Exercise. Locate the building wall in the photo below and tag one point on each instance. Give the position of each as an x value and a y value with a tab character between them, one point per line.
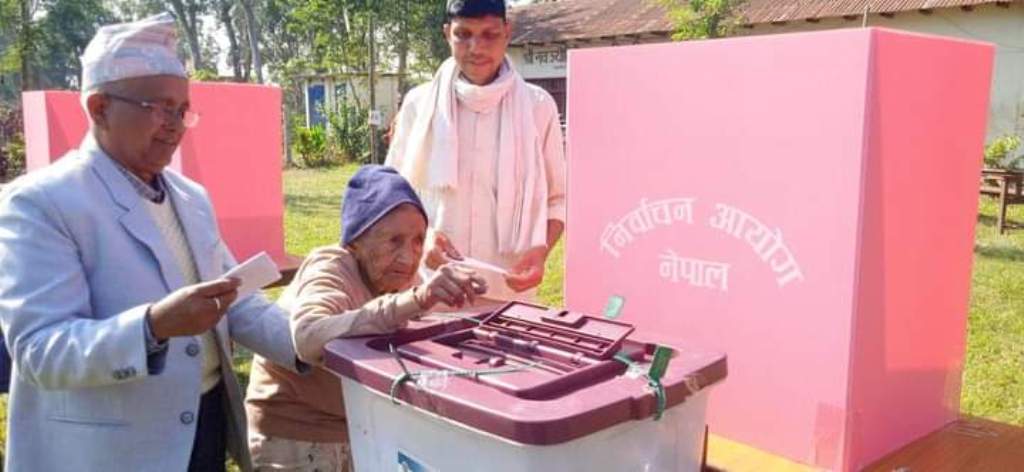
1002	26
387	94
548	61
338	88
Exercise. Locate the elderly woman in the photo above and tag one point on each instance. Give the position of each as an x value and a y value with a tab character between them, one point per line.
365	285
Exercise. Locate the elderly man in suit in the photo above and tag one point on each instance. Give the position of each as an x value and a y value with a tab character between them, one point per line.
112	296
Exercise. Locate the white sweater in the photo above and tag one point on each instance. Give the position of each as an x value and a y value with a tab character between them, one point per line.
166	219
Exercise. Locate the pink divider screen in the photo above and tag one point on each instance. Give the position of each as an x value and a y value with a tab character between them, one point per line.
804	203
235	153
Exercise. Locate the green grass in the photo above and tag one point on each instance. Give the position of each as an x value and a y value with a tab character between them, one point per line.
994	370
313	207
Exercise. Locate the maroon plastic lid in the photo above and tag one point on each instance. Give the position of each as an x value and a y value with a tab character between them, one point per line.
526	373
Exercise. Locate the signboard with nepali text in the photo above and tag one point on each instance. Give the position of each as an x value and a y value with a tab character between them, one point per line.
804	203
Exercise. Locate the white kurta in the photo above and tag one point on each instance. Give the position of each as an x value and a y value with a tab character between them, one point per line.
472	209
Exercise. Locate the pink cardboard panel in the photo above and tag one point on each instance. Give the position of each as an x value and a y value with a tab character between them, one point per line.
235	153
718	187
54	124
926	127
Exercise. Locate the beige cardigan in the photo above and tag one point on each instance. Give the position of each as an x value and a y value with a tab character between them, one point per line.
327	299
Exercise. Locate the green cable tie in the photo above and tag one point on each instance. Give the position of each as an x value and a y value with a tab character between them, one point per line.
662	355
660	397
401	379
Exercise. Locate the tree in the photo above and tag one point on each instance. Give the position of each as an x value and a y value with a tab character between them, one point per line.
189	14
413	30
234	52
254	47
427	31
64	32
10	64
293	39
26	42
43	41
19	35
702	19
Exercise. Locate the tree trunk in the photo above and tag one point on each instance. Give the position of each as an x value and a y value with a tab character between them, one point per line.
373	89
224	10
403	49
25	51
254	48
187	16
346	27
245	56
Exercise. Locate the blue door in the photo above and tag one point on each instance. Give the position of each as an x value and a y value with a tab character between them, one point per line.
315	105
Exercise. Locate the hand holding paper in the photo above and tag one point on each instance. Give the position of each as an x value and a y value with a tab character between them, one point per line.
481	265
529	271
255	273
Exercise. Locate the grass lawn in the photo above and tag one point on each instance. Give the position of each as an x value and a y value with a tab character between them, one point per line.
994	372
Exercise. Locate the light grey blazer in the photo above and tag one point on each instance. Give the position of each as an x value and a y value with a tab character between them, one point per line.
80	260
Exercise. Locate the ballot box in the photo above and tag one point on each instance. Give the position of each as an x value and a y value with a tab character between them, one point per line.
804	203
234	152
523	388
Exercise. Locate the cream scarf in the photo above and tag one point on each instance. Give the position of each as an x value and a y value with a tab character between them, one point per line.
431	155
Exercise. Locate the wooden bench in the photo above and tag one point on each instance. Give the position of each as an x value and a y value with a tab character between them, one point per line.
1006	185
967	444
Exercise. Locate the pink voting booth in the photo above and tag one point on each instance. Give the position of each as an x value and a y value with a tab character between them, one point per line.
804	203
235	153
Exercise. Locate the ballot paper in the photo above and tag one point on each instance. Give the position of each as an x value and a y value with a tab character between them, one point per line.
478	264
255	273
492	274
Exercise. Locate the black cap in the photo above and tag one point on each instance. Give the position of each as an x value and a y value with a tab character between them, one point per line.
475	8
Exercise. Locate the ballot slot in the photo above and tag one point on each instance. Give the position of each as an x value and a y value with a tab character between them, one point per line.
548	352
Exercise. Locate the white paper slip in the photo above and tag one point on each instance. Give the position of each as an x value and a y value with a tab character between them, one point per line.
478	264
255	273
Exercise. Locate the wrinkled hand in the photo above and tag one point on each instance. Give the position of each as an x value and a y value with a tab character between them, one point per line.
529	271
452	285
192	310
440	251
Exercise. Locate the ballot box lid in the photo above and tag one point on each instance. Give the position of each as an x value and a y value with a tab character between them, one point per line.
530	374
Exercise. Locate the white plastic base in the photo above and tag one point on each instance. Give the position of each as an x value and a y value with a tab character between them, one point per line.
389	437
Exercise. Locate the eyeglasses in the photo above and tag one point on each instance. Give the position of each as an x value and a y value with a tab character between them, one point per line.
161	113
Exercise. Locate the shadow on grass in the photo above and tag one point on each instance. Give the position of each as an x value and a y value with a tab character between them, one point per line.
987	220
991	222
1006	253
310	205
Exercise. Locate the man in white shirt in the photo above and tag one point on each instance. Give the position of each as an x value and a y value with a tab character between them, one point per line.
484	150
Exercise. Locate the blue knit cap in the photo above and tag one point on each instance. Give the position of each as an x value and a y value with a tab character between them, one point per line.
372	193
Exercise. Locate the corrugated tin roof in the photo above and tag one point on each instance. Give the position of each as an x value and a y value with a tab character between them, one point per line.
563	20
576	19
